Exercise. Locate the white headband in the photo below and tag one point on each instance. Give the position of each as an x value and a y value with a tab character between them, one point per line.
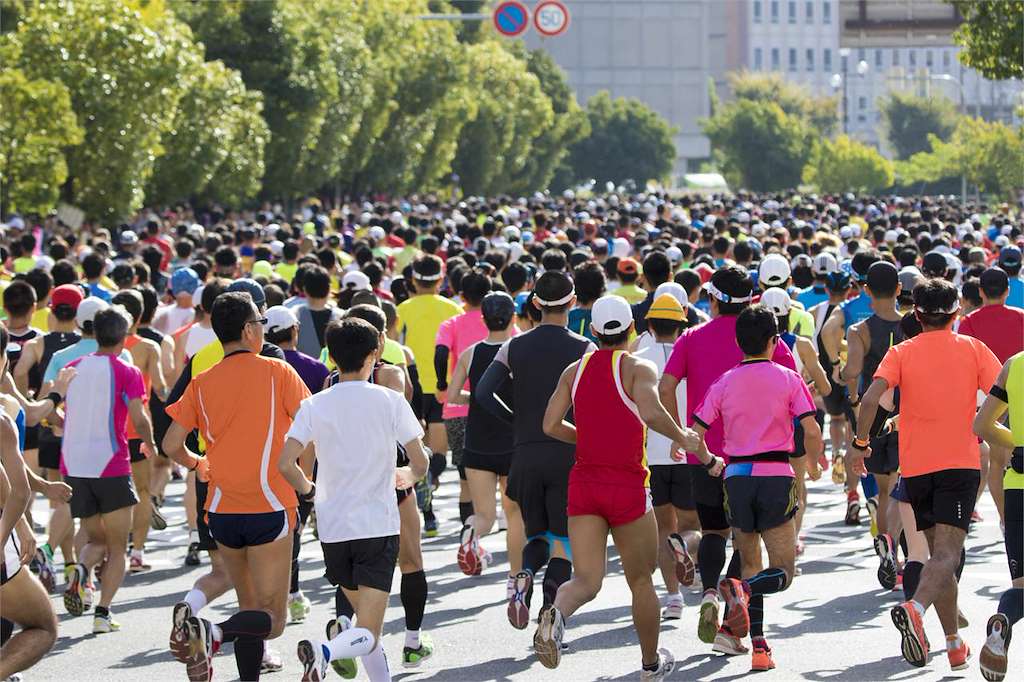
427	278
948	311
724	297
562	301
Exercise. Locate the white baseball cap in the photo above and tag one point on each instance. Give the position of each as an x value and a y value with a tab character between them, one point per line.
280	318
197	296
776	300
88	308
356	280
611	315
774	270
824	263
673	289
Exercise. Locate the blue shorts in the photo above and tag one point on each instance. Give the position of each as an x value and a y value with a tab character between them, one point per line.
248	530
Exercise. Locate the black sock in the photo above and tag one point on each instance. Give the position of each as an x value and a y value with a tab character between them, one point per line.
735	567
296	546
249	657
756	610
903	544
246	624
535	556
342	606
6	630
710	560
103	611
768	581
1011	604
911	578
960	566
558	571
414	598
465	511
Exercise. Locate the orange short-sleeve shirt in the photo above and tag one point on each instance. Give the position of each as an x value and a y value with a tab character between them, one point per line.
939	374
243	406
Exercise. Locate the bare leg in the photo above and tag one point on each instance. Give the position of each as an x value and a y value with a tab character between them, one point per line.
515	534
23	601
665	515
999	457
116	525
938	578
638	550
190	500
261	575
142	511
216	582
588	536
481	490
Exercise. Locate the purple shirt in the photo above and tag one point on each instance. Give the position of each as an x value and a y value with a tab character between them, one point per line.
313	372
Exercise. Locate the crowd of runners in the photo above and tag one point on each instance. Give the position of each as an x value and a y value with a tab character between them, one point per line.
663	370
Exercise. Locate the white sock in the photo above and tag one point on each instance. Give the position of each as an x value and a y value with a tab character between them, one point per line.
412	639
677	597
193	536
351	643
137	554
196	600
953	642
295	595
376	665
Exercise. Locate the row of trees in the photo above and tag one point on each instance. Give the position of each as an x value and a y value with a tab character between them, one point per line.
111	104
773	135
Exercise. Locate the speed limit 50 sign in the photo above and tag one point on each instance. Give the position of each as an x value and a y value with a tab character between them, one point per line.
550	18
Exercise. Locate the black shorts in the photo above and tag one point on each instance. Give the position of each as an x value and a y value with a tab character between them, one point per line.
49	449
249	530
91	496
759	503
1013	510
455	429
672	484
367	562
161	422
206	541
400	495
496	464
838	401
539	482
945	497
431	409
32	437
885	454
708	498
135	452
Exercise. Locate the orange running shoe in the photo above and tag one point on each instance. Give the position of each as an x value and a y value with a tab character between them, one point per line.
908	621
761	658
959	656
736	596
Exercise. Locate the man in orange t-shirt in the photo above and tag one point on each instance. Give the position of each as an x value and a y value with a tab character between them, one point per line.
938	374
242	406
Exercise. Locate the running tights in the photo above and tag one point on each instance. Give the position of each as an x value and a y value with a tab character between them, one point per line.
768	581
735	569
248	630
414	599
710	560
558	571
535	556
1011	603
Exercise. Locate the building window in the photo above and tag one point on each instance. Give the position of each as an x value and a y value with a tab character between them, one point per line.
878	59
945	59
792	59
775	11
826	12
862	103
928	60
911	58
757	11
895	57
775	59
758	59
809	59
844	65
792	11
826	59
809	13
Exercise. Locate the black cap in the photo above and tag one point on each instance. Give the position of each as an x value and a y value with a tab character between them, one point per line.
498	305
1010	255
883	277
934	264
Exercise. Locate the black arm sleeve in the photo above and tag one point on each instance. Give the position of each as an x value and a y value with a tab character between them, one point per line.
417	391
441	366
180	385
494	379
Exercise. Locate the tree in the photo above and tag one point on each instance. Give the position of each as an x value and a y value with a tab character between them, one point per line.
122	78
793	99
909	120
628	141
991	37
36	125
845	165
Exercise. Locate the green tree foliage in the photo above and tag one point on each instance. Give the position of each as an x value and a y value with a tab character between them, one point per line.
845	165
123	79
763	138
36	124
909	120
992	37
989	154
628	141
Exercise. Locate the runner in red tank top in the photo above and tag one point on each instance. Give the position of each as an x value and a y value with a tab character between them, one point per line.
614	398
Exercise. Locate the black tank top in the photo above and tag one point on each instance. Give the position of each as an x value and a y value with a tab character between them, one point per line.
822	355
14	346
883	334
52	342
537	360
485	433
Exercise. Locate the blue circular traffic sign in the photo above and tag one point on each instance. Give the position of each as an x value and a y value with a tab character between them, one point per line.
511	18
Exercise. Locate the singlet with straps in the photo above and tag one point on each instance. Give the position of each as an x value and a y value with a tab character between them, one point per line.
823	312
790	339
485	433
883	334
52	342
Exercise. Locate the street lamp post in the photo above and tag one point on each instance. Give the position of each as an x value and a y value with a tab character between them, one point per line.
842	79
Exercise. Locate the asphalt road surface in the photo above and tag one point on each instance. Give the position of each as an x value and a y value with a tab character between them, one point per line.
832	624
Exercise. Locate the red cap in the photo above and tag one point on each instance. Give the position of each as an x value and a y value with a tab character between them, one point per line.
66	294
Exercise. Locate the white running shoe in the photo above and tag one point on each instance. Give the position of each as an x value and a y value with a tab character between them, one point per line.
666	664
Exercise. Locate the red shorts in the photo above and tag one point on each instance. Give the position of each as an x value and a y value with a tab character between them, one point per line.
616	504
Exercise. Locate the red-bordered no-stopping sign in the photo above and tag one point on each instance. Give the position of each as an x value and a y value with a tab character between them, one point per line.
511	18
550	18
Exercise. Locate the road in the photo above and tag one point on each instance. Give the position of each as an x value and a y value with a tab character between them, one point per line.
832	624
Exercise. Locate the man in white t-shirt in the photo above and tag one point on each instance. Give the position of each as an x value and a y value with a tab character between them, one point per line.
353	428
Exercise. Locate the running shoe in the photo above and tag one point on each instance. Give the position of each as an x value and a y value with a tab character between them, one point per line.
761	658
411	658
74	594
136	564
484	559
736	597
510	587
47	574
192	555
852	508
707	625
518	609
728	643
90	594
976	516
468	557
898	587
272	662
993	655
314	663
157	521
345	667
888	571
908	621
673	609
104	624
201	648
430	528
178	641
685	568
547	641
838	470
666	664
959	657
299	607
871	506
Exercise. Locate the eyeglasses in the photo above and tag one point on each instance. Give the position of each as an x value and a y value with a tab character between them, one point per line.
261	320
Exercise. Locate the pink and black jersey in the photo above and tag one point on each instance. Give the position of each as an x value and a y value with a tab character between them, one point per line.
95	441
610	437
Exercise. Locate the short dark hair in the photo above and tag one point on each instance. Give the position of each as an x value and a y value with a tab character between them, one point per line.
590	282
475	285
755	327
350	341
131	301
369	313
231	311
662	327
689	280
317	282
63	272
211	290
612	339
553	285
971	291
657	268
41	281
515	276
110	327
19	297
150	302
932	295
225	257
553	259
92	266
